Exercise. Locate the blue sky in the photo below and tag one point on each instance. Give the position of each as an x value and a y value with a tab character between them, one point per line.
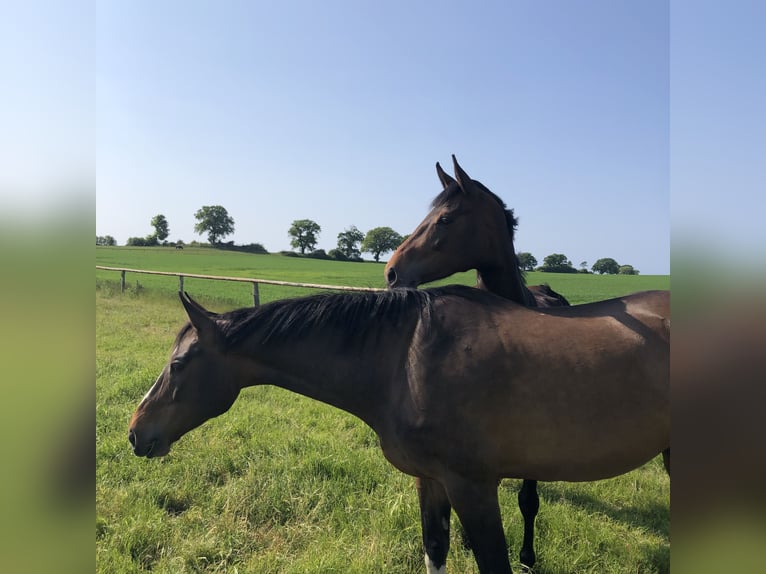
336	111
718	133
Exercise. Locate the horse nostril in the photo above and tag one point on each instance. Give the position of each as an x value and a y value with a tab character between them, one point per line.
132	438
391	276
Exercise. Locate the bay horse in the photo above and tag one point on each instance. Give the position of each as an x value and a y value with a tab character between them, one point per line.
468	227
461	386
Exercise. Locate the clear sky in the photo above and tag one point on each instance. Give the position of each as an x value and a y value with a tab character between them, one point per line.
337	111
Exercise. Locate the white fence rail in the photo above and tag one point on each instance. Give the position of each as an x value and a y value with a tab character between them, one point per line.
253	281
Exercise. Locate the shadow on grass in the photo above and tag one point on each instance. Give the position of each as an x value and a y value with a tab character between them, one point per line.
653	517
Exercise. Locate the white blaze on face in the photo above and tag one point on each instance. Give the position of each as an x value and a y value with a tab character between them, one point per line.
432	569
149	392
157	382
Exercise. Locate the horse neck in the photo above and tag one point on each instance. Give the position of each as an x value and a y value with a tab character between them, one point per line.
358	381
505	279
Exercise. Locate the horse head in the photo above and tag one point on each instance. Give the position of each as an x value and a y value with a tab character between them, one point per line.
191	388
459	233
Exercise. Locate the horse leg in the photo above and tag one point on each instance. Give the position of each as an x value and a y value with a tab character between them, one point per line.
529	504
477	507
666	459
434	519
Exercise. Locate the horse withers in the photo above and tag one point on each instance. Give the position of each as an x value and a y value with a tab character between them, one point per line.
461	386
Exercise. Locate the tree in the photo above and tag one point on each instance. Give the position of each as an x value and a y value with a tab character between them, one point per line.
380	240
557	263
161	229
527	261
606	265
304	234
348	242
106	240
215	220
627	270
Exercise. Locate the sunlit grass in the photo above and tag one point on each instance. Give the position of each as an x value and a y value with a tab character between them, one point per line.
577	288
281	483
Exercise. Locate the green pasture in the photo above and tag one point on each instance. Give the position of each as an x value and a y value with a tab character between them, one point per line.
577	288
281	483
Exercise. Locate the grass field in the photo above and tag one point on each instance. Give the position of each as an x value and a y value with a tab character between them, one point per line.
281	483
578	288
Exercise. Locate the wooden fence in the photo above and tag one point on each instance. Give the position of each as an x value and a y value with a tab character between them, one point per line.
253	281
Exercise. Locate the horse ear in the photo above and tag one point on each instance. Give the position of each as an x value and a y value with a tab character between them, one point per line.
443	177
201	319
465	182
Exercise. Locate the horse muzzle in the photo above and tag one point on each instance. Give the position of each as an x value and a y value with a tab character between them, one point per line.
395	281
150	448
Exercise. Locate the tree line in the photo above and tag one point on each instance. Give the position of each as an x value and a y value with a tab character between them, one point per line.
216	222
560	263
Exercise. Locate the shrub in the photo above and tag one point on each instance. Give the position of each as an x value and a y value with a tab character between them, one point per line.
337	254
627	270
256	248
318	254
136	241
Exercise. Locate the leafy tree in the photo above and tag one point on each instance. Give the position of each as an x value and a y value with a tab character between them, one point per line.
380	240
606	265
215	220
527	261
628	270
304	234
106	240
161	229
348	242
557	263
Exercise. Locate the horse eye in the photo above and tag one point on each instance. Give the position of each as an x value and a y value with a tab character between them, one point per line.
444	220
176	367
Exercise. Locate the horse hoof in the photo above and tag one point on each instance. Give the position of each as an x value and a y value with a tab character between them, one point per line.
528	560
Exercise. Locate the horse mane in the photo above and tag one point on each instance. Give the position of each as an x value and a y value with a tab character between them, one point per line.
357	316
453	190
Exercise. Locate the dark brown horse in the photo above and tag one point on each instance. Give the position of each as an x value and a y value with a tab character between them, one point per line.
468	227
462	387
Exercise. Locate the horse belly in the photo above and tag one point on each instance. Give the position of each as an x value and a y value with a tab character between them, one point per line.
588	447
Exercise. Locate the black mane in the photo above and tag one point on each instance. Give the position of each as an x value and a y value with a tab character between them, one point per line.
357	315
453	190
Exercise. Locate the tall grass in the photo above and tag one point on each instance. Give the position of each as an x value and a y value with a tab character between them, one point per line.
281	483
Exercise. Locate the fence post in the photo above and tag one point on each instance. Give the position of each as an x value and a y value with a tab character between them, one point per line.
256	295
122	281
181	283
